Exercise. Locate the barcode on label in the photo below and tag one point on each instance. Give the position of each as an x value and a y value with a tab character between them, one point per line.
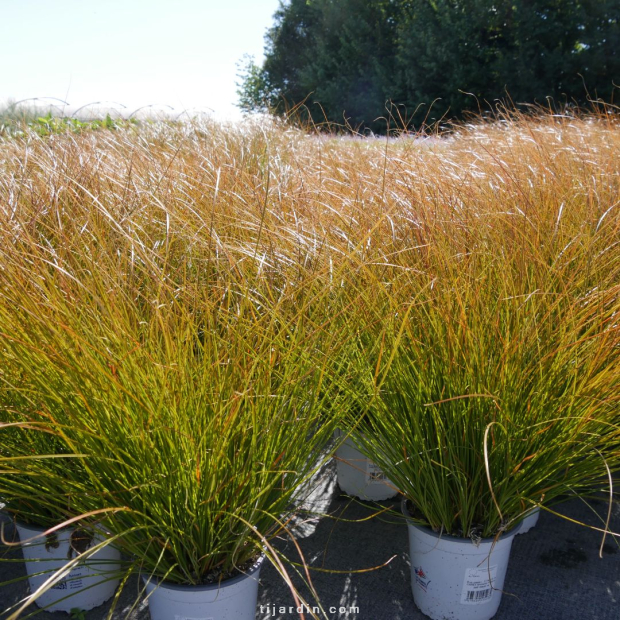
60	586
478	585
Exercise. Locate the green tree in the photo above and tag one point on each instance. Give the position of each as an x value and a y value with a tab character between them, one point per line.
447	52
599	47
346	60
543	56
337	57
353	72
252	90
289	46
473	52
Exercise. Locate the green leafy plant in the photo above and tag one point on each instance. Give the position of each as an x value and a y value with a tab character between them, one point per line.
18	122
77	614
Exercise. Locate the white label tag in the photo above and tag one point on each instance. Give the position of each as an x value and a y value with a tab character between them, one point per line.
374	474
478	585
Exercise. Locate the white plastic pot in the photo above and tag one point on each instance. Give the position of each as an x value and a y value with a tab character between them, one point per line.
233	599
359	476
455	577
529	521
88	585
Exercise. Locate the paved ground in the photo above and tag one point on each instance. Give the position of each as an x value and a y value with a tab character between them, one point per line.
554	573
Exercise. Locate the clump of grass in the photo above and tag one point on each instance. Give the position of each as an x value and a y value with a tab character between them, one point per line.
488	400
493	379
198	430
191	391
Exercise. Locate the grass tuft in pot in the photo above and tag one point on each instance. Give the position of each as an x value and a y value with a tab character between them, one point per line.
194	431
491	390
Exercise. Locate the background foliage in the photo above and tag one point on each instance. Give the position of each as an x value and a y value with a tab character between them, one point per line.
353	61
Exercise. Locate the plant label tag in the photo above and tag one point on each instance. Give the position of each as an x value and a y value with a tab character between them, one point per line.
374	474
73	581
478	585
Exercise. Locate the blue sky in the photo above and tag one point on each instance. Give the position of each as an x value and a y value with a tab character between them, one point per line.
181	53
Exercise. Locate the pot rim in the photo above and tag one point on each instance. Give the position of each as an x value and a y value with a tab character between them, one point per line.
100	529
457	539
40	528
155	582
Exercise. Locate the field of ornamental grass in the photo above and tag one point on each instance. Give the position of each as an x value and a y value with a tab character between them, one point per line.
189	310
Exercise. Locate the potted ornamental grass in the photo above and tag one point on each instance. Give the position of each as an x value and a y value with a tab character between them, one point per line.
69	563
195	423
187	379
358	475
488	403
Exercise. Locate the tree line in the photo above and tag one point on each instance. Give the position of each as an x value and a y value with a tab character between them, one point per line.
358	62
